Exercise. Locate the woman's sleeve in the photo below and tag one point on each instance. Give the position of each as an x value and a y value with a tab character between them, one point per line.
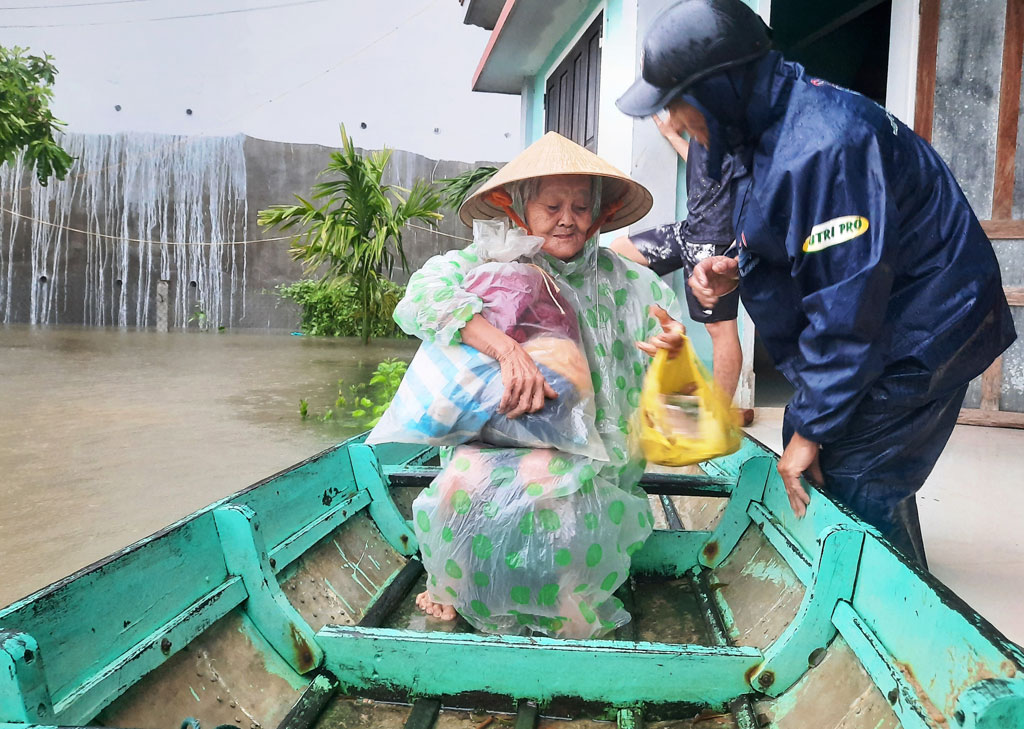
655	291
435	306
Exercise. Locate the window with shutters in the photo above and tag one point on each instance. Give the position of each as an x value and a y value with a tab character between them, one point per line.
571	96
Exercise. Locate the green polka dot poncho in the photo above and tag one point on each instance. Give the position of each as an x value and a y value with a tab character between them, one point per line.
523	540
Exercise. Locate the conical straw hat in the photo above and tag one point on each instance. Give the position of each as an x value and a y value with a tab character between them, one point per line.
553	154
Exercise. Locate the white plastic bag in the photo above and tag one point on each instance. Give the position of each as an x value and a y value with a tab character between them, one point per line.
495	241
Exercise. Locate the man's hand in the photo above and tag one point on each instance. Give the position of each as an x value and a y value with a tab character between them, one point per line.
674	134
665	127
800	458
713	278
671	337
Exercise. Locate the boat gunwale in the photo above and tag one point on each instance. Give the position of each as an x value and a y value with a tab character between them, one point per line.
751	449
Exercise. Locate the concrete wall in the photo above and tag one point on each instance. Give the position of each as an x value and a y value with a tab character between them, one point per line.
53	275
289	72
158	96
967	80
277	170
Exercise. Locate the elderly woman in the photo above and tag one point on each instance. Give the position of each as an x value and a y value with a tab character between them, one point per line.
519	540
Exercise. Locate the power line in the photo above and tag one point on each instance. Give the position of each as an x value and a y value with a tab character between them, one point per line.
73	5
142	241
344	60
123	239
166	17
438	232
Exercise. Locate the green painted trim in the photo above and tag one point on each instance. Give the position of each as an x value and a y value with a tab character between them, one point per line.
609	672
535	113
923	672
926	630
876	661
750	487
297	544
811	630
796	538
24	695
108	681
246	556
151	599
791	552
299	495
669	553
369	477
992	704
535	108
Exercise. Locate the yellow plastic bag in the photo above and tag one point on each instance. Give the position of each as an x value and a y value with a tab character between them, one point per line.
683	417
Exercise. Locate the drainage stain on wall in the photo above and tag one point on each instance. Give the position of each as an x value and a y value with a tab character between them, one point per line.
135	209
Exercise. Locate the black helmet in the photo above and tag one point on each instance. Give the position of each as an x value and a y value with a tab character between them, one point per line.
688	41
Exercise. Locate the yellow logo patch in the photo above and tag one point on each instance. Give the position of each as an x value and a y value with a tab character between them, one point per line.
835	231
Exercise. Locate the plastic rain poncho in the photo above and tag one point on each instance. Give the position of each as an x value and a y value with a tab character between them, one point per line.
451	393
523	540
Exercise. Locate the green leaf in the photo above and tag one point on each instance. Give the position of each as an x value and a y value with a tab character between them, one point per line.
27	126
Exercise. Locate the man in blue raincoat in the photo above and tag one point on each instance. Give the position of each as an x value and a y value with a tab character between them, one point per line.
860	260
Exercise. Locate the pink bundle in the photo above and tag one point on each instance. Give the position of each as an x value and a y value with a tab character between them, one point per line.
521	300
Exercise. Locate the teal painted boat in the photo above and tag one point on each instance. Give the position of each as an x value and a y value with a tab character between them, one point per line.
290	604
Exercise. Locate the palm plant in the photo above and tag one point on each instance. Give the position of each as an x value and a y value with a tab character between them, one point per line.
351	228
455	190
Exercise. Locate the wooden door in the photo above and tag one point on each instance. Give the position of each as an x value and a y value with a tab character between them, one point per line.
572	91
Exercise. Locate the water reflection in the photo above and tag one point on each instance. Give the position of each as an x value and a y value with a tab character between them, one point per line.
108	435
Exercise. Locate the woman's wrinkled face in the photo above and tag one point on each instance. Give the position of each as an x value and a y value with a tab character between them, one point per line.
561	212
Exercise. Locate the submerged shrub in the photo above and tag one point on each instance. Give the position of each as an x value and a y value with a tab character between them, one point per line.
334	309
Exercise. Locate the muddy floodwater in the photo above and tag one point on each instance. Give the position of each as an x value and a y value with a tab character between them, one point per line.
106	435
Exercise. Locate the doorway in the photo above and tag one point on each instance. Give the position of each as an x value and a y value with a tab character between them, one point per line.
845	42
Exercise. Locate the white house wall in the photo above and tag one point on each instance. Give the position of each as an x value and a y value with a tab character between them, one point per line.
618	69
291	73
901	83
654	162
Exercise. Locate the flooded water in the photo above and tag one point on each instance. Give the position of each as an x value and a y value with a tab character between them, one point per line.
107	435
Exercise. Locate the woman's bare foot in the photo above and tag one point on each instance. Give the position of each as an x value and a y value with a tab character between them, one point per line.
434	609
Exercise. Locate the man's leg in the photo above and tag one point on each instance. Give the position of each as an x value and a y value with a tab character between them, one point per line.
727	358
625	248
882	461
660	249
726	354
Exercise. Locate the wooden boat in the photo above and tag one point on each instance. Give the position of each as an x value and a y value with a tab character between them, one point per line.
289	605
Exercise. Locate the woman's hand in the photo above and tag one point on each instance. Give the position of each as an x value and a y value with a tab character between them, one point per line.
714	277
671	337
525	386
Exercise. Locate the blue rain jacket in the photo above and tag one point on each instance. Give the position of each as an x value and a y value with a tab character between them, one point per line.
867	274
